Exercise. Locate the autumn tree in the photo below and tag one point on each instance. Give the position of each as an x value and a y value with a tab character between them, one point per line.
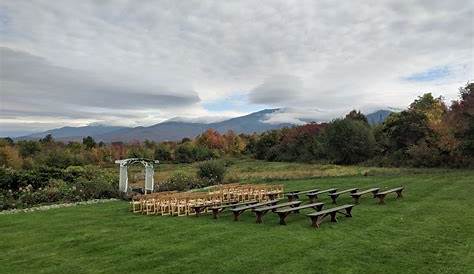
211	139
233	144
10	157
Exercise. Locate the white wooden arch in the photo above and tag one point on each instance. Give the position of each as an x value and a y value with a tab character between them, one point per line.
149	172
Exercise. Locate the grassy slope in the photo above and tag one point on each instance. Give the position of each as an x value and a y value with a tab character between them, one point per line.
429	231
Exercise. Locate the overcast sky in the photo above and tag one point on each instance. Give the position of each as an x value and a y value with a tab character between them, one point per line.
141	62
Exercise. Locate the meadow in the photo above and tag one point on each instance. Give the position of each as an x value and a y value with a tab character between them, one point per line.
428	231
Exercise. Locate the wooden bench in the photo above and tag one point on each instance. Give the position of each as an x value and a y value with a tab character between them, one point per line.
295	195
198	208
381	195
334	195
218	209
313	196
283	213
239	210
261	211
317	217
357	195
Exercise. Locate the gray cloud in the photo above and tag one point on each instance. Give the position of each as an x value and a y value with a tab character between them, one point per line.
143	61
25	77
277	89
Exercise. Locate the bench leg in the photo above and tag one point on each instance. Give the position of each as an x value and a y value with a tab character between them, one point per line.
314	222
197	210
356	199
260	215
334	198
348	212
236	215
290	198
399	194
333	217
374	193
318	220
283	216
381	199
215	213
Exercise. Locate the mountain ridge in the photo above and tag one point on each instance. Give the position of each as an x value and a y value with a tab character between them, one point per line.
171	130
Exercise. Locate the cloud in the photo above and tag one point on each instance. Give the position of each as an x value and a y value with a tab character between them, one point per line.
28	77
277	90
301	116
141	62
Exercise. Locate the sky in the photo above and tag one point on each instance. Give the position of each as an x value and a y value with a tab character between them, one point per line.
137	63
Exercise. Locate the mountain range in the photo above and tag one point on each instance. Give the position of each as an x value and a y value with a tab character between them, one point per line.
172	130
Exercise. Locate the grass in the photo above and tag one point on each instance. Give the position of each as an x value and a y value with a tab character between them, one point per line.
428	231
254	170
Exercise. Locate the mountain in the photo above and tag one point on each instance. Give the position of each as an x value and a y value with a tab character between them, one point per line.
249	123
173	130
73	133
378	117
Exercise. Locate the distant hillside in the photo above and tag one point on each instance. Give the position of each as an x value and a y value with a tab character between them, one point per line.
172	130
378	117
73	132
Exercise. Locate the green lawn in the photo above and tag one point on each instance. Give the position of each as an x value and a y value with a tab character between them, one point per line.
431	230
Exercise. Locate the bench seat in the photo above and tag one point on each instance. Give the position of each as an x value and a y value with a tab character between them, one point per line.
334	195
239	210
313	196
358	194
217	209
295	195
317	217
381	195
283	213
261	211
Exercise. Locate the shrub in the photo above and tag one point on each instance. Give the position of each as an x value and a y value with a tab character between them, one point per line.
179	181
184	153
423	155
211	172
163	153
25	188
349	141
